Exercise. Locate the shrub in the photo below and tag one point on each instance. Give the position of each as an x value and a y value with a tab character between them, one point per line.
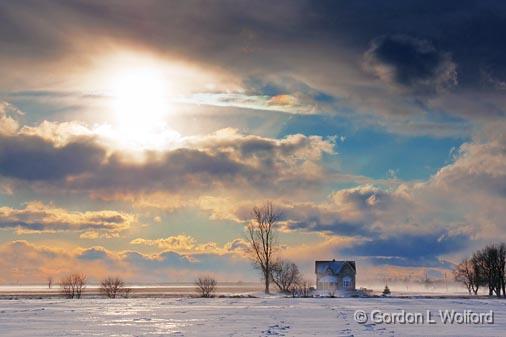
73	285
205	286
112	287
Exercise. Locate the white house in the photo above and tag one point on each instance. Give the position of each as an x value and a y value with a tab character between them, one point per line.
335	276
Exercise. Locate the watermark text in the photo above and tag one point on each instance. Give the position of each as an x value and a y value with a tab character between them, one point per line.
443	316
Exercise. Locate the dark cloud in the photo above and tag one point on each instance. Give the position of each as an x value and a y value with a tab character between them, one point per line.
409	248
423	261
163	260
305	51
39	217
410	63
349	212
323	221
33	158
230	160
311	51
92	254
359	211
311	217
211	263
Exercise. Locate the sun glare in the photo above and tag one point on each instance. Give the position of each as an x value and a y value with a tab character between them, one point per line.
141	92
139	100
140	97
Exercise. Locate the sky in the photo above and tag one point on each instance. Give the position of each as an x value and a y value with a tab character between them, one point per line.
136	137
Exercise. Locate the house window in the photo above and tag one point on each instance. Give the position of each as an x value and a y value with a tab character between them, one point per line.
347	282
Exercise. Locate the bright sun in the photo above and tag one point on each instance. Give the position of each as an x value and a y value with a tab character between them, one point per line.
139	101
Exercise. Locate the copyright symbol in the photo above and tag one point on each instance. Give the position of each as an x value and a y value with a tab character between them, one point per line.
360	316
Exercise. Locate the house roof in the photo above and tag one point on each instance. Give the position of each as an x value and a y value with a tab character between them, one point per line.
334	266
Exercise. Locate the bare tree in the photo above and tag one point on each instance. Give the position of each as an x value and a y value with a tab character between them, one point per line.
468	272
79	284
501	268
490	261
73	285
486	267
286	276
205	286
66	286
49	282
113	287
261	237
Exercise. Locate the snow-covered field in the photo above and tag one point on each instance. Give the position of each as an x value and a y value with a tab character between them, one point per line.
237	317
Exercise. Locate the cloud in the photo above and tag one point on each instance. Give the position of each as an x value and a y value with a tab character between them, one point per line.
410	63
185	244
480	167
38	217
463	196
407	262
284	103
356	211
94	253
286	57
409	223
90	235
33	158
302	63
26	262
410	247
187	267
155	262
456	210
320	218
225	159
8	125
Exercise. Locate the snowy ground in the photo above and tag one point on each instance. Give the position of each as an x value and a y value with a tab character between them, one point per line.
236	317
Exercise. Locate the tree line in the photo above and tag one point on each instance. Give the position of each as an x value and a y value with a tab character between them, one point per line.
485	268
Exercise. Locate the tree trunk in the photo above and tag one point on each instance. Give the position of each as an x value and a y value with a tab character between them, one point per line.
267	283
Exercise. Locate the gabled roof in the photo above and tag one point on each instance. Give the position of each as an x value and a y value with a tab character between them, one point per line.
334	266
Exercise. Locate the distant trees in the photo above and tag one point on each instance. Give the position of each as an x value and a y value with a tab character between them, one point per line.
113	287
490	261
261	236
286	276
486	267
205	286
73	285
